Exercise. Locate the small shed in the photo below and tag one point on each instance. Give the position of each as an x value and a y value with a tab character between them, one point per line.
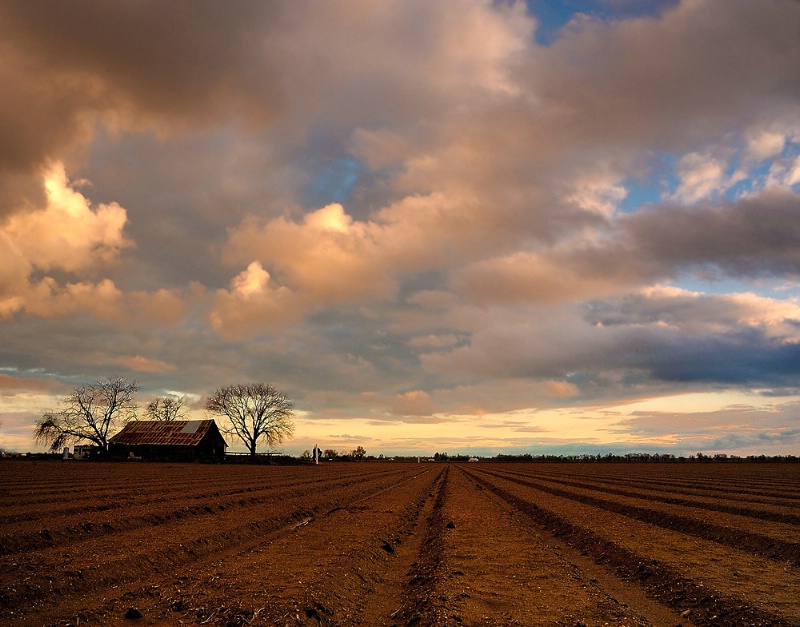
174	440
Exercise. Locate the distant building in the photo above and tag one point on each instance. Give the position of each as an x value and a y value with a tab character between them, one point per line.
85	451
175	440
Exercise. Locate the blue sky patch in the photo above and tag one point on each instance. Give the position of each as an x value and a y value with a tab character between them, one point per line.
554	15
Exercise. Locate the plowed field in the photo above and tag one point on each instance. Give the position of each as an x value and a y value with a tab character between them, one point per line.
92	543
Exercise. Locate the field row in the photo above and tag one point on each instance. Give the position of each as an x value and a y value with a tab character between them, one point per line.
731	571
399	544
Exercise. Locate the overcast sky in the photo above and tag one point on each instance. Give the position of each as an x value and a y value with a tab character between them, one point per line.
462	225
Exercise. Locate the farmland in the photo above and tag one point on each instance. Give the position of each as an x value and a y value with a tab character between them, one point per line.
400	544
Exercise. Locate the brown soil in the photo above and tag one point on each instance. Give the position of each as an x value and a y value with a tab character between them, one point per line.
91	543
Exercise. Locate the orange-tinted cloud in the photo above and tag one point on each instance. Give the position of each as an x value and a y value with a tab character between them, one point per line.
138	363
68	233
413	403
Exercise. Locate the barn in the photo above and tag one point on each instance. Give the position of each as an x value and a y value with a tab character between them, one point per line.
174	440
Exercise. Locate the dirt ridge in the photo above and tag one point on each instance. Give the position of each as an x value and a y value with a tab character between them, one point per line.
383	544
773	548
660	581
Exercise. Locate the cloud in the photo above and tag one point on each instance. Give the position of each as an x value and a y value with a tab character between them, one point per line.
48	299
679	308
40	118
688	65
751	237
766	144
657	337
743	428
537	278
139	363
24	385
330	258
67	234
413	403
598	194
14	273
24	396
177	65
252	304
405	212
562	389
701	177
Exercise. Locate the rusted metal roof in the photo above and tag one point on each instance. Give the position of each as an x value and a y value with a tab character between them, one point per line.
167	433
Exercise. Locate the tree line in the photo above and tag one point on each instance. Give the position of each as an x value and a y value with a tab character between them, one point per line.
94	412
357	454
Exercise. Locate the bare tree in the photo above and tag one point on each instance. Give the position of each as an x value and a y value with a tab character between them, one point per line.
166	408
359	453
256	411
92	412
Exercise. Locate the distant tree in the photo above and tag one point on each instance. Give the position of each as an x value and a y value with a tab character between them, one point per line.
306	456
255	411
92	412
166	408
359	453
330	454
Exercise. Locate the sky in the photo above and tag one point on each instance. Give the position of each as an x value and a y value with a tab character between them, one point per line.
463	226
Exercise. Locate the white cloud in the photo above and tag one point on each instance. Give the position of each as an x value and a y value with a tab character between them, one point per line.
68	234
766	144
251	282
702	177
784	173
326	258
253	305
794	175
330	218
598	194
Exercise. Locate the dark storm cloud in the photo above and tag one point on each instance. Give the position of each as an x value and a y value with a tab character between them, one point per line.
752	237
686	337
182	58
40	112
658	338
671	83
135	64
746	357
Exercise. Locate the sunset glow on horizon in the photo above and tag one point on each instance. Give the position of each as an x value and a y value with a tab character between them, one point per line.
469	226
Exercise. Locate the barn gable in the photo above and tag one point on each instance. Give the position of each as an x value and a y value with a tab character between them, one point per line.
175	440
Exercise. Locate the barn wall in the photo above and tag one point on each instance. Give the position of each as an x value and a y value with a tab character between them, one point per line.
158	452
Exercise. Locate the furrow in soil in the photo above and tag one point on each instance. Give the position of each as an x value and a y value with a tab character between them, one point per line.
692	577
